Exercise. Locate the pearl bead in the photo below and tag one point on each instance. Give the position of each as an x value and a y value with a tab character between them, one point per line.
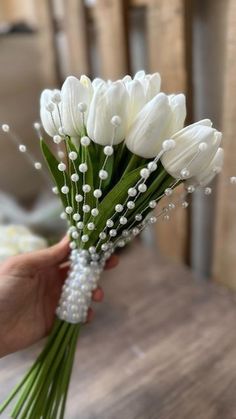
61	131
152	166
82	107
91	226
103	174
109	223
168	145
135	231
76	217
37	125
85	238
56	97
130	204
50	107
63	216
94	212
62	167
123	220
113	232
5	128
104	247
232	180
55	190
208	191
202	146
75	235
152	204
108	150
171	206
97	193
144	173
83	167
185	204
190	189
74	177
85	141
57	139
102	235
116	120
64	189
73	155
168	191
69	210
132	192
153	220
125	233
78	198
138	217
142	187
22	148
72	245
37	165
119	208
92	249
184	173
86	188
166	217
80	225
121	243
86	208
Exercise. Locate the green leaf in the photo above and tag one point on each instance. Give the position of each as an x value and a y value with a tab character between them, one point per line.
53	167
107	207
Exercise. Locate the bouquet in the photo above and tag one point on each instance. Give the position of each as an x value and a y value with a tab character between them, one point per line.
119	147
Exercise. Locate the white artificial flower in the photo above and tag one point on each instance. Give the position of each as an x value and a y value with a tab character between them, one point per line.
17	239
196	146
205	177
158	120
108	101
49	111
75	93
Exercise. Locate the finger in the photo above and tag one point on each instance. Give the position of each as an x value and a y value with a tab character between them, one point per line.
112	262
98	295
90	316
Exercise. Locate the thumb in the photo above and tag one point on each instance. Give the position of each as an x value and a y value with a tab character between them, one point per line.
54	255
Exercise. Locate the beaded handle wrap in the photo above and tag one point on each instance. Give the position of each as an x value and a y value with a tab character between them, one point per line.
77	291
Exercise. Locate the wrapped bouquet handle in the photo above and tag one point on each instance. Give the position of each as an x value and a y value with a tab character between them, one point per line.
118	148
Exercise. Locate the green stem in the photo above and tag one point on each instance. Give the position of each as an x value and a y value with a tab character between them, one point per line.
50	363
38	360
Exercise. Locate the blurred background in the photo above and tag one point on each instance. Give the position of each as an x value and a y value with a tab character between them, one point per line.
192	43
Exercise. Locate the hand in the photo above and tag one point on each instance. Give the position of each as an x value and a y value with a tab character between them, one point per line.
30	287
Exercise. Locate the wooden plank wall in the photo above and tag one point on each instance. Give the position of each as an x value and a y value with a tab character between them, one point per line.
166	44
225	236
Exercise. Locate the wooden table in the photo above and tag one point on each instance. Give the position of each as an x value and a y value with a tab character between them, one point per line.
162	346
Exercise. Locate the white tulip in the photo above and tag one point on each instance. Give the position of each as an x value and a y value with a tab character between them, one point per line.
108	101
205	177
158	120
75	93
49	111
136	101
196	145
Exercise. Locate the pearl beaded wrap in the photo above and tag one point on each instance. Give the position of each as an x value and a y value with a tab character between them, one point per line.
77	291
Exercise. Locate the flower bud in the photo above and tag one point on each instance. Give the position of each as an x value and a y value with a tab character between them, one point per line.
187	156
159	119
108	101
49	112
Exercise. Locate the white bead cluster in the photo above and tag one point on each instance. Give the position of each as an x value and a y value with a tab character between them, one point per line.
77	291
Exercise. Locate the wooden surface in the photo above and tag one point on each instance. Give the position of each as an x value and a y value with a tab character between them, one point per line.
225	249
166	44
110	25
162	346
75	28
